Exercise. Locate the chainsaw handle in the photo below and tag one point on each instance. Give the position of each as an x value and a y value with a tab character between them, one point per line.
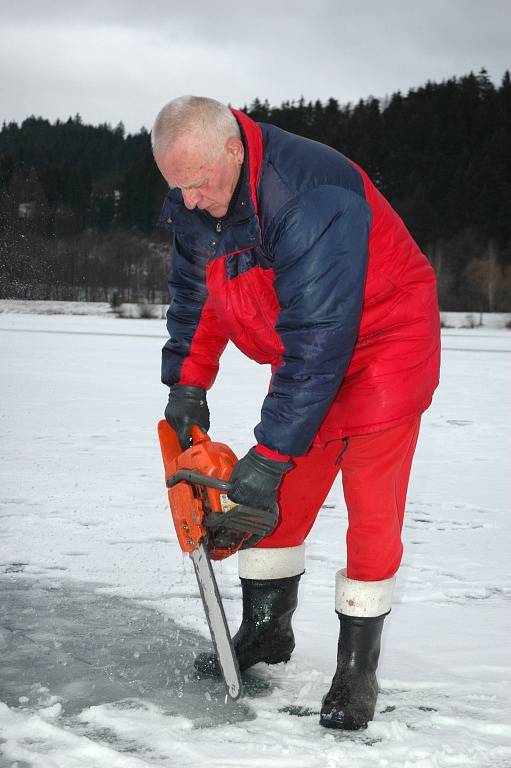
189	476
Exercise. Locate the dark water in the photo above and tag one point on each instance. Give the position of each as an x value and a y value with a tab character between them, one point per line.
66	641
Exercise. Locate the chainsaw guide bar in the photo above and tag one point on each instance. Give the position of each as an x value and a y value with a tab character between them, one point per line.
216	619
197	481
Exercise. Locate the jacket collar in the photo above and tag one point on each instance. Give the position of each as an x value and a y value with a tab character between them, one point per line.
253	141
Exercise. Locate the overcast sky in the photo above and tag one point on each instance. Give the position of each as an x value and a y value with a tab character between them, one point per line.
111	60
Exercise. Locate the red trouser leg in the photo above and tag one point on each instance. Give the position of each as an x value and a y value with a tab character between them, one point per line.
302	492
375	471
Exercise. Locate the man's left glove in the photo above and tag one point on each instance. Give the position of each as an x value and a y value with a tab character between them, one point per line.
255	480
187	406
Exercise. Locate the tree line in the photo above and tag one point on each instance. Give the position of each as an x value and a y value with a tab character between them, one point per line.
79	204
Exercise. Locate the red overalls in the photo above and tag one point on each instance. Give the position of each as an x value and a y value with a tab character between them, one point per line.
375	470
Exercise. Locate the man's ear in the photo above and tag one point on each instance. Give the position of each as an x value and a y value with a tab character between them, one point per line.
235	148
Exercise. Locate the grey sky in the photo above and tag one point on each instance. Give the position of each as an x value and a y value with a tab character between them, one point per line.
114	60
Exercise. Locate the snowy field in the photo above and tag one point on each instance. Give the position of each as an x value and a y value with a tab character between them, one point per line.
100	613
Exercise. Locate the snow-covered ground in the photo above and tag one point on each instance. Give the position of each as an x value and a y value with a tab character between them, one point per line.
129	311
100	613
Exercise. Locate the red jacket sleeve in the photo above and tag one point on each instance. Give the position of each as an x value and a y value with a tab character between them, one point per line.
196	341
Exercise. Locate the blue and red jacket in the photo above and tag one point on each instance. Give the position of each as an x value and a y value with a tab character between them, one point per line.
312	272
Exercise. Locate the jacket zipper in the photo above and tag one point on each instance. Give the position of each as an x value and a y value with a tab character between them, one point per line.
220	224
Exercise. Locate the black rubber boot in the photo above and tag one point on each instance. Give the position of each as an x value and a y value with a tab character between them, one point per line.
265	633
351	700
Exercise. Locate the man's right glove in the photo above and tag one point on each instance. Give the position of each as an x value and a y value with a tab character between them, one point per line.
255	480
187	406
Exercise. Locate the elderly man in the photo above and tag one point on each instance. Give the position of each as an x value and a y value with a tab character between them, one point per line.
285	247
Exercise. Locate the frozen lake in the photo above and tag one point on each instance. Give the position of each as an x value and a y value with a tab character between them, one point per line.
101	616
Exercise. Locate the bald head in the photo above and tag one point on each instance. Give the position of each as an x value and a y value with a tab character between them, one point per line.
197	122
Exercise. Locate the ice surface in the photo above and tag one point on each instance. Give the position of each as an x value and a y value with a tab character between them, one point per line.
101	616
90	649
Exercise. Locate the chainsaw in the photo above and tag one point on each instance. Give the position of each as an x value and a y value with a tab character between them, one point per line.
209	526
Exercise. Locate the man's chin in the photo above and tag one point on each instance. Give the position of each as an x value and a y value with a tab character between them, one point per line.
217	211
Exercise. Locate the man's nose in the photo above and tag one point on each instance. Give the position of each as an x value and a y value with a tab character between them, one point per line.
190	197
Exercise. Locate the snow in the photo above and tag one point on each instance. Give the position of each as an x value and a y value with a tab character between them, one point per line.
131	311
101	614
88	308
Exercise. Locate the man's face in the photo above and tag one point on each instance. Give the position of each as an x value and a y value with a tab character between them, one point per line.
204	185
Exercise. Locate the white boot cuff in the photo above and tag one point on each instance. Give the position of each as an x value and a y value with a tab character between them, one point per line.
362	598
274	563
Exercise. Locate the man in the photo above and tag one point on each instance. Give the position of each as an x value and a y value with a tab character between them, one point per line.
285	247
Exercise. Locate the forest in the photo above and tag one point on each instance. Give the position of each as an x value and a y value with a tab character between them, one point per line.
79	204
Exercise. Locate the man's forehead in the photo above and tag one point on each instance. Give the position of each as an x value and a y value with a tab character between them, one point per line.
187	180
188	150
182	175
186	164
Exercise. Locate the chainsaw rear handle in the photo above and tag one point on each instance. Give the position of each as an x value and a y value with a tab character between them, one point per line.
189	476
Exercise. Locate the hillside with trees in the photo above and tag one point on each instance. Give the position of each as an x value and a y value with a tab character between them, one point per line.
79	204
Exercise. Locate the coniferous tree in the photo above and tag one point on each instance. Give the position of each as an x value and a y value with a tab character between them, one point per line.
76	198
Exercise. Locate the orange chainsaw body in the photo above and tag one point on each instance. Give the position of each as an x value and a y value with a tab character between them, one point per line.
190	502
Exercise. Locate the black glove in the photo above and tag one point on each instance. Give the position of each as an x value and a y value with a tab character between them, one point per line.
255	480
187	406
227	530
